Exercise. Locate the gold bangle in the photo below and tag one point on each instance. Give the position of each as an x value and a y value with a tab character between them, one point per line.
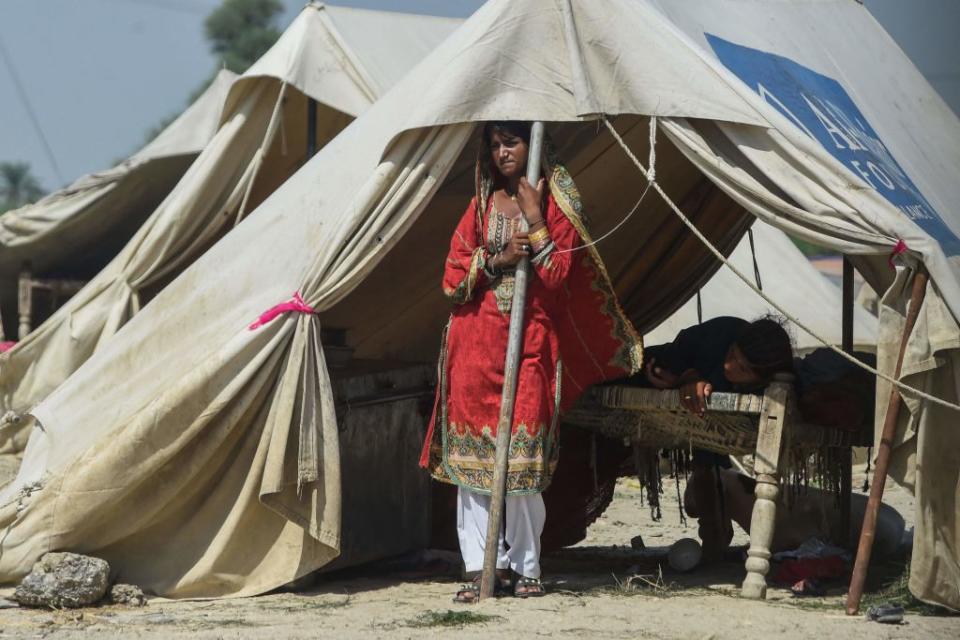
539	235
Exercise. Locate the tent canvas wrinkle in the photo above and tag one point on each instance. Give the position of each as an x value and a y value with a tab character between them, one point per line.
241	416
239	167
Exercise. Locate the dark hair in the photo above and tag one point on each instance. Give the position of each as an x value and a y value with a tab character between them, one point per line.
516	128
766	347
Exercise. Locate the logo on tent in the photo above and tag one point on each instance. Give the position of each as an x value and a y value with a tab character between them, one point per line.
821	108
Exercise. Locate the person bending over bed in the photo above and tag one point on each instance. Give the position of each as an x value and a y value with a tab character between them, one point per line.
721	354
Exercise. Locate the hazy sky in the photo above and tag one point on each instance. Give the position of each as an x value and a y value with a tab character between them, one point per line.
100	73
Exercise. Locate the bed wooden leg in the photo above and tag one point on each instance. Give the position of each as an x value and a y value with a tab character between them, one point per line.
767	467
761	535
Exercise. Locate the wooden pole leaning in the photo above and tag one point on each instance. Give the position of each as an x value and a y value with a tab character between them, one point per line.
511	372
865	548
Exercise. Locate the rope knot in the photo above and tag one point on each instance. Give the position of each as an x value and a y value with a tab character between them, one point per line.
293	305
898	249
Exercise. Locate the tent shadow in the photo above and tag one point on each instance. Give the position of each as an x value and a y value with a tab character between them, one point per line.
578	571
574	570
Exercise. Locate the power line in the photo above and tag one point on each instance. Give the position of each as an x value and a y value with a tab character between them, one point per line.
22	92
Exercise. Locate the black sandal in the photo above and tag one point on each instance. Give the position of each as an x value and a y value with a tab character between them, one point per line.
468	593
528	588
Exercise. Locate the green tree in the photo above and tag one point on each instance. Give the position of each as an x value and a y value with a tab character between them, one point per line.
809	249
240	31
18	185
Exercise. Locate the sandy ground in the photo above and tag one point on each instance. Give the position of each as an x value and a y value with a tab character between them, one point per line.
590	596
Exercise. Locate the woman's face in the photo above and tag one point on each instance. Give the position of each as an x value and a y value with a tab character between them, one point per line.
509	154
737	370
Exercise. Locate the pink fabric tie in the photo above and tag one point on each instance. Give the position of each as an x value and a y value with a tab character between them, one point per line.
294	304
7	345
898	249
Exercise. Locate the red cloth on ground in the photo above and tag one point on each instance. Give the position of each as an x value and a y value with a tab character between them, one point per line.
794	570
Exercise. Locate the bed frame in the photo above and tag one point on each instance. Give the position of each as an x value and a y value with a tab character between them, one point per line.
734	424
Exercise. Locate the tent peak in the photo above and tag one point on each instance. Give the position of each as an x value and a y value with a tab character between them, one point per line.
345	58
334	8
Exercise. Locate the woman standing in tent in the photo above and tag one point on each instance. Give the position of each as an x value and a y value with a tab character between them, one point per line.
575	334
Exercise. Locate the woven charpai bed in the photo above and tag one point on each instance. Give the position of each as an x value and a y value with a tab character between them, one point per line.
730	426
768	426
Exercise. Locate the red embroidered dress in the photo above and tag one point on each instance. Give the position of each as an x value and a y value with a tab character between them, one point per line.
575	334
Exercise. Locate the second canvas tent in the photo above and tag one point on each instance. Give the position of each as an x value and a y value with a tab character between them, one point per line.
332	60
784	273
75	231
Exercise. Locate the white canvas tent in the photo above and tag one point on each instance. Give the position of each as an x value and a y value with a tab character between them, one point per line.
76	230
223	446
342	59
787	276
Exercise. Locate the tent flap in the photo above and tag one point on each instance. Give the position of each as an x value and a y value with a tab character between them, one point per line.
926	453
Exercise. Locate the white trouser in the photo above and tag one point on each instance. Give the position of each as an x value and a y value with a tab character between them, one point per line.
524	516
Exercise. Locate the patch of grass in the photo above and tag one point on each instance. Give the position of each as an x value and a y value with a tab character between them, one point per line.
897	593
831	605
307	603
649	585
450	618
